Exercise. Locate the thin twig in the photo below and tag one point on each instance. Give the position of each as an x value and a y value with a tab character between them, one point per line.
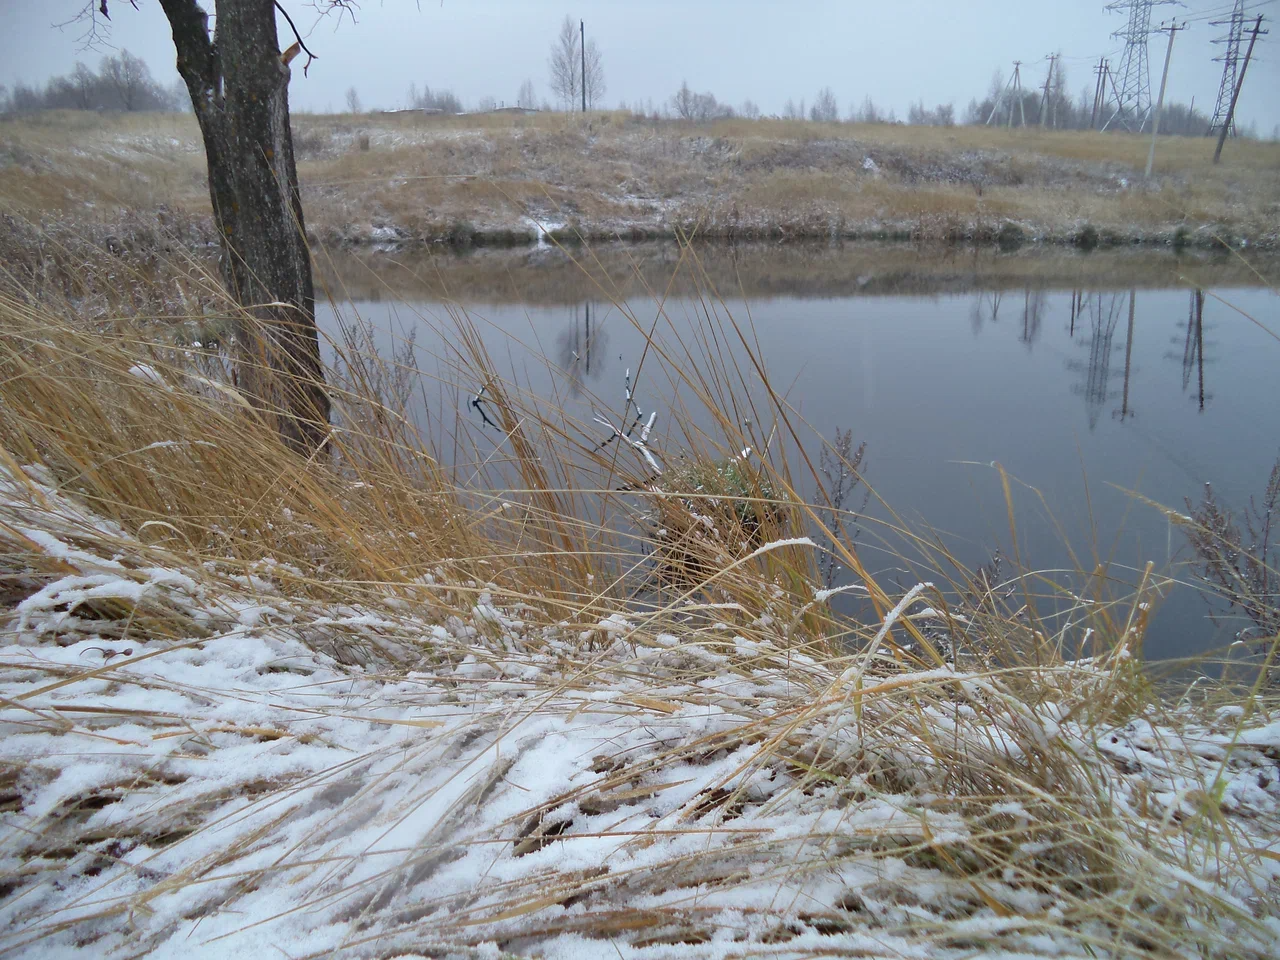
302	43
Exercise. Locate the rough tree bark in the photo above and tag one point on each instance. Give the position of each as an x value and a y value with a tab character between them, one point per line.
239	86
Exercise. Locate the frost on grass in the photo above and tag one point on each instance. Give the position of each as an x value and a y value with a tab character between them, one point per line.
184	772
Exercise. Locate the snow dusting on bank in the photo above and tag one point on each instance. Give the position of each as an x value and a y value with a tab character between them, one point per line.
202	763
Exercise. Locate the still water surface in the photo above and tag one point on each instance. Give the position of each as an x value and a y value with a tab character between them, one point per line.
1082	395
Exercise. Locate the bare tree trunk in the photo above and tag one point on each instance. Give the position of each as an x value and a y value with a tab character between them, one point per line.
239	88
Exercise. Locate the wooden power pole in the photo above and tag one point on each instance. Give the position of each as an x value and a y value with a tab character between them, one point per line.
1173	29
1017	92
582	33
1100	88
1231	111
1044	100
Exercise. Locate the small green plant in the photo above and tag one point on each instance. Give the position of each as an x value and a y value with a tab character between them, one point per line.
728	484
707	513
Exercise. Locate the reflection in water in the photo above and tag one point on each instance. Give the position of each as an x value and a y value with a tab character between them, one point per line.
1125	412
986	307
1193	347
901	370
1032	313
581	346
1102	328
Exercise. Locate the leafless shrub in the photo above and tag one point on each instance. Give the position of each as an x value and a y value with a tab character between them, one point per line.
841	467
1241	564
698	107
825	109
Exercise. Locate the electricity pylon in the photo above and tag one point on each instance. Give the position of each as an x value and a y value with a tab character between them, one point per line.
1132	90
1230	61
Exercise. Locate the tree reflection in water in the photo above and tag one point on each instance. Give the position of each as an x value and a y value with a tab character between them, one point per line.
581	346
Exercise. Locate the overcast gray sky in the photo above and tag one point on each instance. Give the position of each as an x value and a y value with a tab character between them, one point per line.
767	50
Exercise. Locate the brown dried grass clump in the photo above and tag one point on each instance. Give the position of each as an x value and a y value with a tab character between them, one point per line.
446	712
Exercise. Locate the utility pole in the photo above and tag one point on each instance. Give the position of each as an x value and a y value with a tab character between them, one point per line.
1231	111
1016	91
1100	88
1044	100
1022	100
1111	78
582	31
1173	29
1011	89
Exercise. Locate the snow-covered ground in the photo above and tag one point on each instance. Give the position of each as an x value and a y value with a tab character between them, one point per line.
199	761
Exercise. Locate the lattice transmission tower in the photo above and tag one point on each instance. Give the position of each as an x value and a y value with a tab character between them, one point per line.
1131	89
1230	61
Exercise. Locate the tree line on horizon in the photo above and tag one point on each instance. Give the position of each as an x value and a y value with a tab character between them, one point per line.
124	82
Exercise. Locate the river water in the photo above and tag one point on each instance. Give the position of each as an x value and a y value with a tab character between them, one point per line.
1090	391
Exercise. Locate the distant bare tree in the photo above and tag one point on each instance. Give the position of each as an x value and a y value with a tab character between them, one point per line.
353	100
683	102
791	111
749	110
528	96
593	80
486	105
943	115
563	67
434	101
84	83
867	113
180	96
129	77
698	107
825	109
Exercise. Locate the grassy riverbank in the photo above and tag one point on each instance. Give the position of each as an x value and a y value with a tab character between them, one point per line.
349	707
499	179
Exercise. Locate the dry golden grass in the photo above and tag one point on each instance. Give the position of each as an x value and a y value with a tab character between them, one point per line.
450	177
946	782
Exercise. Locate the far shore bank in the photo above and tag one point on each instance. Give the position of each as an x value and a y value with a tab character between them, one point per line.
501	180
550	274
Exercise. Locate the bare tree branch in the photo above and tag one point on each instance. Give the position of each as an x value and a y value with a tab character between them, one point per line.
96	32
310	56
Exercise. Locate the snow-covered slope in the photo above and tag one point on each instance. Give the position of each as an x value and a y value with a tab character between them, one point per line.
201	762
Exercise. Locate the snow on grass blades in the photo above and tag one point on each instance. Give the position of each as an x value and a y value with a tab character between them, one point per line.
364	709
698	795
